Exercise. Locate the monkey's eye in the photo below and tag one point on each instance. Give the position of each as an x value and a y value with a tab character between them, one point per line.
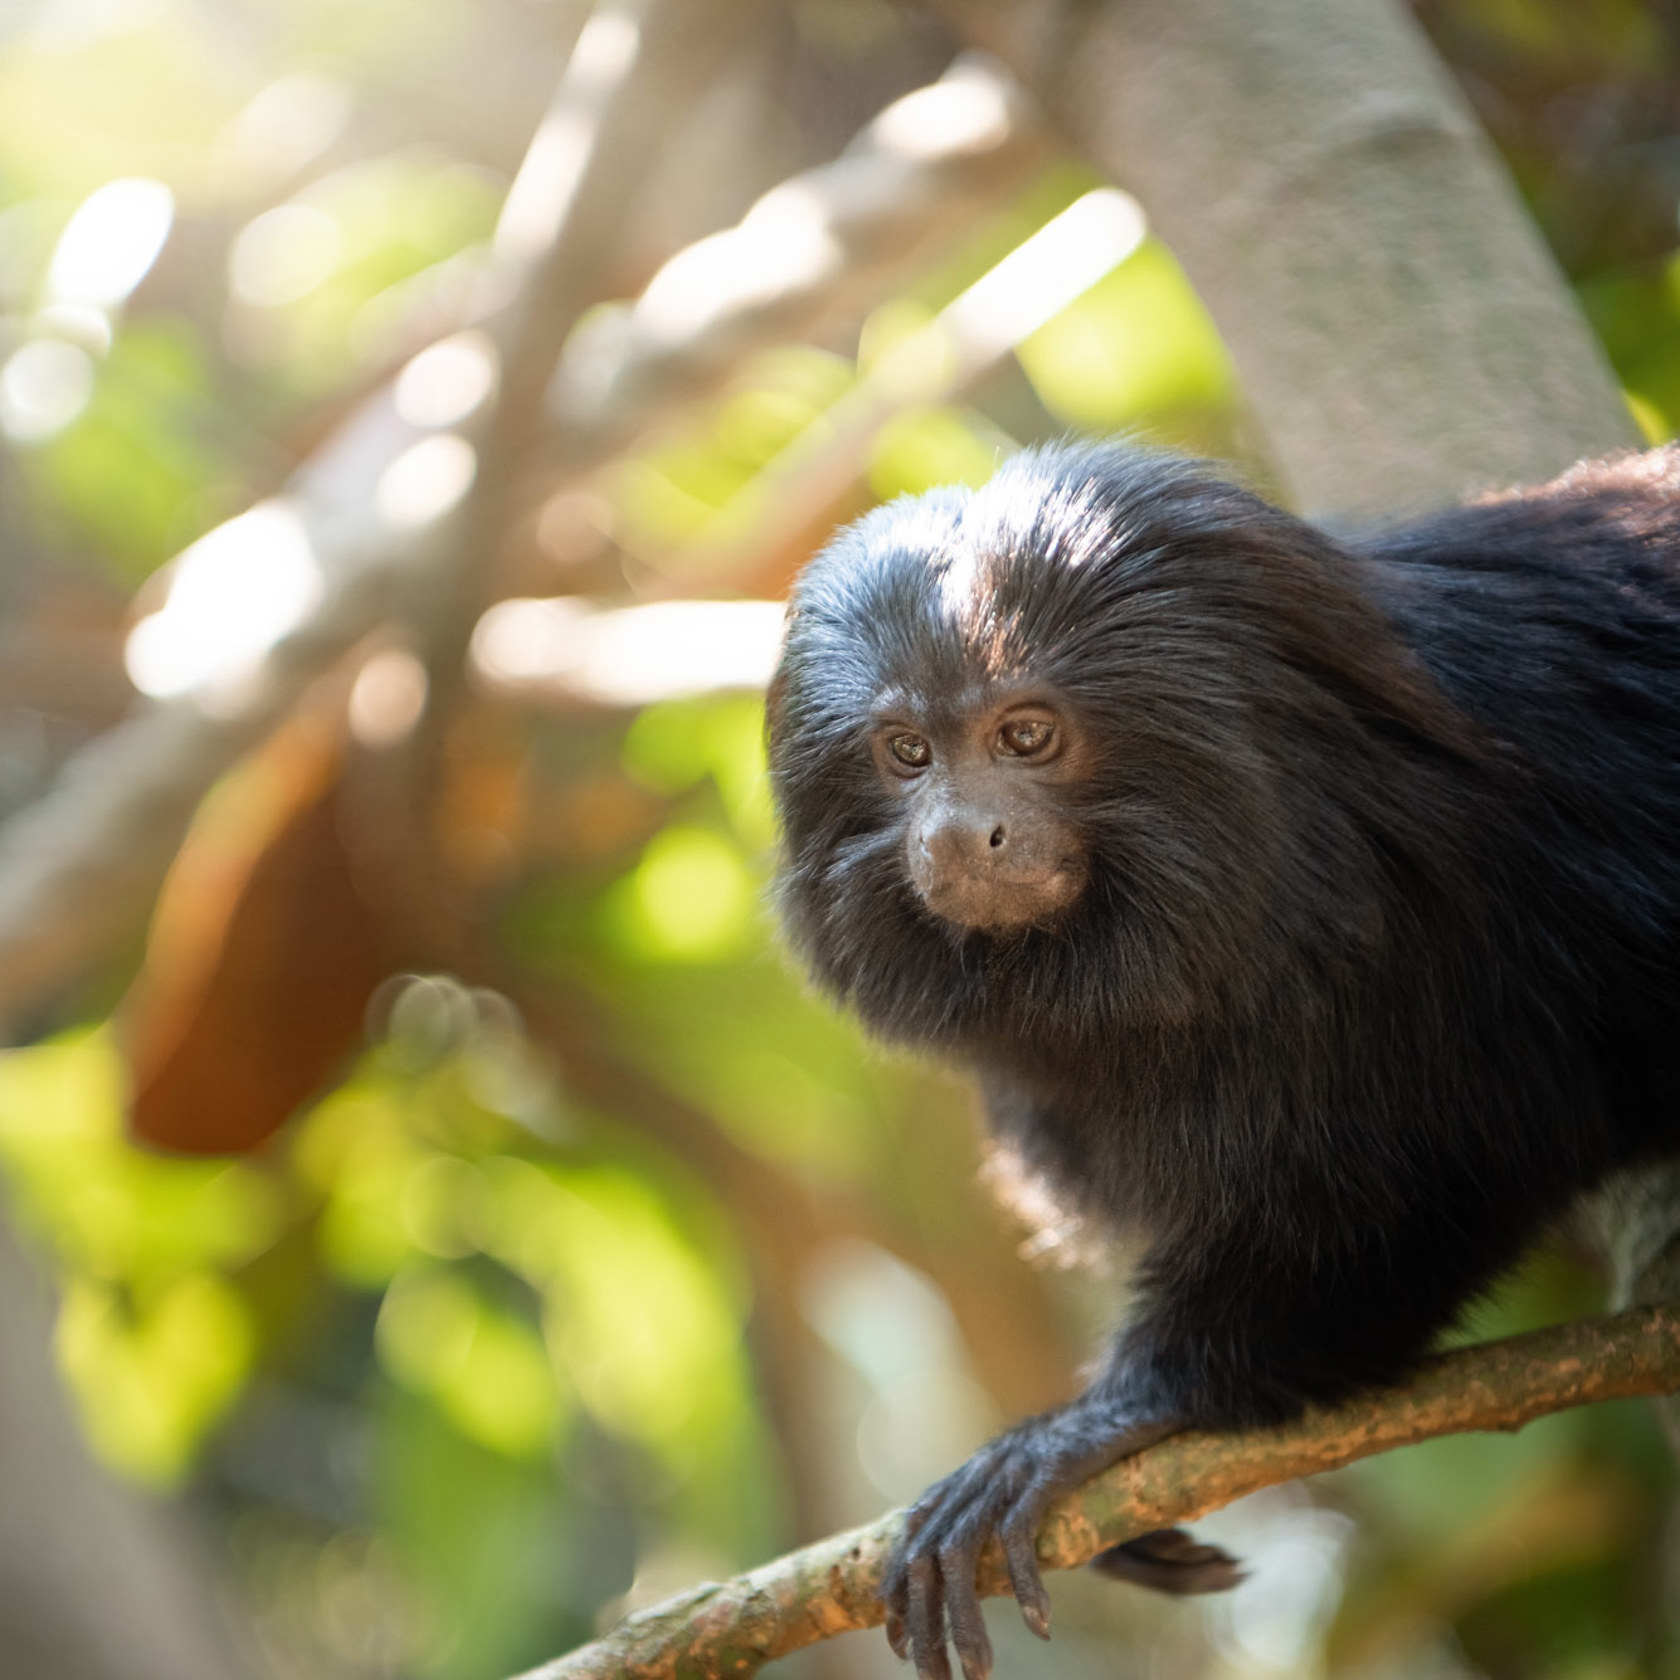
911	750
1026	737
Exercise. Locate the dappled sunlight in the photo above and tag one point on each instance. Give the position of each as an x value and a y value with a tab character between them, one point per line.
232	596
153	1341
783	242
447	381
968	108
924	1408
104	251
631	1317
426	480
648	1333
283	255
542	191
109	245
282	127
690	899
44	385
631	656
387	698
1045	274
154	1375
485	1368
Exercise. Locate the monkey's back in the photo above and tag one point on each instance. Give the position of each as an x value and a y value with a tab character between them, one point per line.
1552	618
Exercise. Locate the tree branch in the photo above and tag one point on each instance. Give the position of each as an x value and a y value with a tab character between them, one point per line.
824	245
734	1627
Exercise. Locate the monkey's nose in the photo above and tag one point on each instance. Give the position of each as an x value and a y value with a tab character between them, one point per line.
961	845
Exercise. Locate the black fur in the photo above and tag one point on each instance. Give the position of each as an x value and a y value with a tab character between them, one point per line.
1378	965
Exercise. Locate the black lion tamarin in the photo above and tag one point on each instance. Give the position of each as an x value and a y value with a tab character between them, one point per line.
1307	907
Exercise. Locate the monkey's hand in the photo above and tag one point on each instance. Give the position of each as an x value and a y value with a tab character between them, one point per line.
1004	1491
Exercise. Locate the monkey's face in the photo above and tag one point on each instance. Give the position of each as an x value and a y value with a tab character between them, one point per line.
981	788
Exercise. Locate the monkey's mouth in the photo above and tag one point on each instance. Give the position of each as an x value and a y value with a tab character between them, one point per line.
996	903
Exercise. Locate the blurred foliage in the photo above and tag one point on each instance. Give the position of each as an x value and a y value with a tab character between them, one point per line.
461	1363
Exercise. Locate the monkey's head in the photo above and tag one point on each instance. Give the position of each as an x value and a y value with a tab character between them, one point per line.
1090	741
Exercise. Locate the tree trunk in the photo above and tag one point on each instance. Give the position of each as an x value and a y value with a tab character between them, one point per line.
1402	333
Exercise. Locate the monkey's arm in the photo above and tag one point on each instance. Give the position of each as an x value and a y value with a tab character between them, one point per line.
1231	1333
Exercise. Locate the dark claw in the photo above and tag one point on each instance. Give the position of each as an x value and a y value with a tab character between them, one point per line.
1170	1561
898	1634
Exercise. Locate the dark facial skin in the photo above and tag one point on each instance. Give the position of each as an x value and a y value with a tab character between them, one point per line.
1307	909
982	785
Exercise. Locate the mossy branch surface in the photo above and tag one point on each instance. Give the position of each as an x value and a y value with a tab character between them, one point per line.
732	1628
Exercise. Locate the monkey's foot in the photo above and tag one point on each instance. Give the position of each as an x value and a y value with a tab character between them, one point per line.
1003	1491
1170	1561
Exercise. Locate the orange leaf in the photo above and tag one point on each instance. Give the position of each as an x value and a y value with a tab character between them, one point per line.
261	959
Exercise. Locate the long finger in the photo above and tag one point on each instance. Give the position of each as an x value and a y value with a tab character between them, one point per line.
1019	1534
895	1582
958	1563
927	1620
895	1595
958	1527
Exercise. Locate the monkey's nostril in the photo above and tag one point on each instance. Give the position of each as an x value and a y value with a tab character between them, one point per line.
997	838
